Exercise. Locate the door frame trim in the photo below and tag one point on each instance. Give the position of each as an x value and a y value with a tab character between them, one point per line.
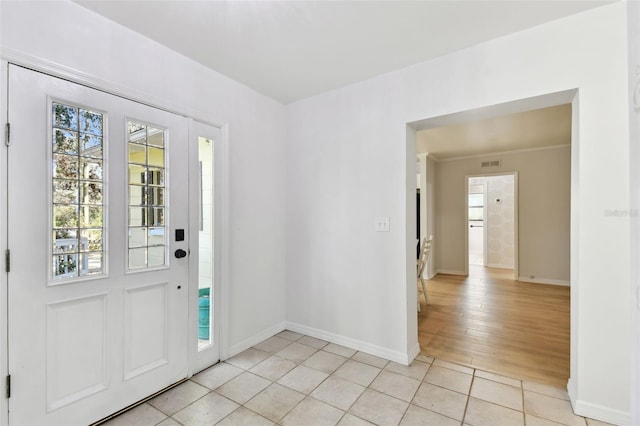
4	228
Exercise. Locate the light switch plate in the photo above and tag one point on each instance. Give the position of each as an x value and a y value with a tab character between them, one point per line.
382	224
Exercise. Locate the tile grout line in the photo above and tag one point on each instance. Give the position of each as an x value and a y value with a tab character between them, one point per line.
347	359
309	394
279	422
524	417
466	406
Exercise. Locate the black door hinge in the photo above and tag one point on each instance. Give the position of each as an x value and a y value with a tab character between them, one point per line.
7	140
7	260
8	386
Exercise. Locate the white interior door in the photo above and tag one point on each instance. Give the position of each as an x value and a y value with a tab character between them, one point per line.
98	303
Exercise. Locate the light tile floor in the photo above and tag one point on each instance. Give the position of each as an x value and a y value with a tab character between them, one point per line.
291	379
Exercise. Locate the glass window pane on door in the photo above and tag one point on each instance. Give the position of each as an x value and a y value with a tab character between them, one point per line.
206	249
77	190
147	242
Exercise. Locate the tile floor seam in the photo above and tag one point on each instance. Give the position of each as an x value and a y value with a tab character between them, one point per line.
316	399
329	403
308	395
544	394
189	404
494	402
285	414
523	408
466	405
468	395
409	403
442	387
404	414
341	417
440	414
222	419
288	412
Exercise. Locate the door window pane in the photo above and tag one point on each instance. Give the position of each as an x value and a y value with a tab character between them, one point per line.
137	174
137	237
65	191
77	192
65	141
146	196
65	166
137	258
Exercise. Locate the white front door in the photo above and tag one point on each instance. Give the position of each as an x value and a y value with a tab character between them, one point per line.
98	211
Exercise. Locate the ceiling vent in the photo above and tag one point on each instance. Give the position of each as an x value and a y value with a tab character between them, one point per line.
494	163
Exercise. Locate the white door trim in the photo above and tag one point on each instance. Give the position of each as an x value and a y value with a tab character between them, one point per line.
4	402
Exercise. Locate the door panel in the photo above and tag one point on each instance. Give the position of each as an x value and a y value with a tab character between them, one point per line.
97	302
145	308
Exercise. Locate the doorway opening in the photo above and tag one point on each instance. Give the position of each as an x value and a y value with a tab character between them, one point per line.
484	297
492	221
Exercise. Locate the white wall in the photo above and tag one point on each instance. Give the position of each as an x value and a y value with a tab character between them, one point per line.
634	213
544	197
84	46
348	162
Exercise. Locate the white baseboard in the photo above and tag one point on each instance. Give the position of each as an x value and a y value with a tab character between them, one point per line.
254	340
595	411
358	345
544	281
572	391
450	272
413	353
602	413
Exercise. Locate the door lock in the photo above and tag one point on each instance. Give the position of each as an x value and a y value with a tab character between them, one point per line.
180	253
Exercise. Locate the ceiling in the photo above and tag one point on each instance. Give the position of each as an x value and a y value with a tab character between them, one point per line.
290	50
524	130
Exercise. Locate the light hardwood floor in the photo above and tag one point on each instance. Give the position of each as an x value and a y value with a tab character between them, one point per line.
489	321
